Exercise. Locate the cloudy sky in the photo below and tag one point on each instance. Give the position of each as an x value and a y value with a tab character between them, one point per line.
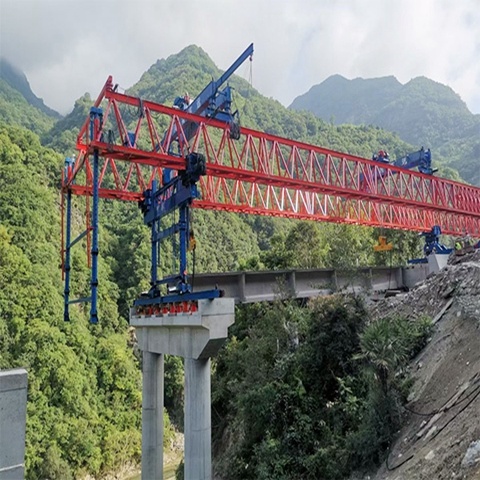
69	47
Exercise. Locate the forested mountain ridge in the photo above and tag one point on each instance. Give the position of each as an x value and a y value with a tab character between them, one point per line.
17	80
421	112
84	394
15	110
19	105
348	101
191	69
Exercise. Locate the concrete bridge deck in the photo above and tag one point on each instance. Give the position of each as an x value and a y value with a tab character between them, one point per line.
250	287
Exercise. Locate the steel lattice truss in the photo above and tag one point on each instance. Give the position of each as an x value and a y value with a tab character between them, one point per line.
261	173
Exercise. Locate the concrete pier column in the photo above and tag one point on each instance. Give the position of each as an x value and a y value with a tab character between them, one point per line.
13	416
198	430
196	335
152	416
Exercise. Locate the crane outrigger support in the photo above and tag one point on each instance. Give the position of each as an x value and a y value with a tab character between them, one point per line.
177	194
96	119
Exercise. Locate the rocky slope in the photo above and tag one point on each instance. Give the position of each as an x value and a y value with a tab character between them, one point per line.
441	439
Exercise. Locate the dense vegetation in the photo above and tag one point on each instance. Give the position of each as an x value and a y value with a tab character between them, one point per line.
19	105
84	381
84	399
421	112
310	392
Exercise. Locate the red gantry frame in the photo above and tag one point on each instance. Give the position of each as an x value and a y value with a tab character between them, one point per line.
260	173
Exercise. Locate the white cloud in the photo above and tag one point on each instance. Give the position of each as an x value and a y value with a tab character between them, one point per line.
67	47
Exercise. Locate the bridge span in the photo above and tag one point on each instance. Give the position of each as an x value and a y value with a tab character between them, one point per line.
259	286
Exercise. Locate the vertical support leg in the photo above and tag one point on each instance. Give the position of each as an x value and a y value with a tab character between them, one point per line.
198	421
152	416
68	233
154	239
94	251
183	233
154	266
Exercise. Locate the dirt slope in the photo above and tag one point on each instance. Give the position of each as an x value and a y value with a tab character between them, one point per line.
444	408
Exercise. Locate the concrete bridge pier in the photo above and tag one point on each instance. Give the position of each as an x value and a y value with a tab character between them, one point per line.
13	417
152	415
198	421
196	336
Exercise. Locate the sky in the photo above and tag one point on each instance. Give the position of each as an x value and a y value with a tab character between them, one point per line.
69	47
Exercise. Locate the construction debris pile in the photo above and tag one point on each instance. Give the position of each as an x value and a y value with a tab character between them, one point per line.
457	285
441	437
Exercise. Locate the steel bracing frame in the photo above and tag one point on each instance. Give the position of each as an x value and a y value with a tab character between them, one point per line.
127	143
262	173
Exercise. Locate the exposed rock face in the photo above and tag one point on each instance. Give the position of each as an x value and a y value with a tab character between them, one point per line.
459	280
444	407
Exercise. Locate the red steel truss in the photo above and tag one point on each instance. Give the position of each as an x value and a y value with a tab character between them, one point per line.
261	173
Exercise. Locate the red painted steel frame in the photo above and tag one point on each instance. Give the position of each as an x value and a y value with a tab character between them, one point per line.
262	173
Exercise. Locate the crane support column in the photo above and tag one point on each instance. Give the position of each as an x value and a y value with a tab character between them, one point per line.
68	236
94	251
194	330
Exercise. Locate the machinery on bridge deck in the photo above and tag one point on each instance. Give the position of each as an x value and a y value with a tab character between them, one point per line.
432	245
421	159
212	102
177	193
180	188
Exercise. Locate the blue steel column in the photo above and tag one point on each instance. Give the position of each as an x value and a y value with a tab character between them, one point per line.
183	233
94	251
154	239
66	315
154	266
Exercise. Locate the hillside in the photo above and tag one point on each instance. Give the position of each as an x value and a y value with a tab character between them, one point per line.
19	105
191	69
84	382
18	81
421	112
348	101
441	436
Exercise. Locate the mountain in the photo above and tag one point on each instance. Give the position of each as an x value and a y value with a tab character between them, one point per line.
18	81
187	71
63	135
421	112
191	69
348	101
19	106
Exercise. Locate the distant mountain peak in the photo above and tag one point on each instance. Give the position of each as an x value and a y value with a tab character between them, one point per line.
186	71
347	101
421	111
18	81
192	53
193	49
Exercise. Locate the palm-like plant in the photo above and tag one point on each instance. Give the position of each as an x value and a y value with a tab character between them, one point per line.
385	348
